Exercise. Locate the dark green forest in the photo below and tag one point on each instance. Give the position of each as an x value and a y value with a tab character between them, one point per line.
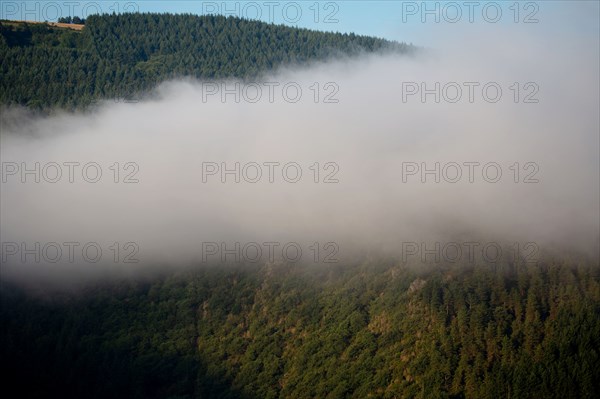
369	330
123	56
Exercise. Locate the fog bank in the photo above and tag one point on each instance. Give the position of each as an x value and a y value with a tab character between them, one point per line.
366	124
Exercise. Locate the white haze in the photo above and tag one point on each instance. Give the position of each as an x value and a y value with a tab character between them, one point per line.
369	134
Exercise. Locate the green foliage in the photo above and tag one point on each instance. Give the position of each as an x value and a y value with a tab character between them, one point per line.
365	331
121	56
71	20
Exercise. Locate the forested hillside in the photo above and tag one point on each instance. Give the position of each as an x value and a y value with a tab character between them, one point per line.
373	330
119	56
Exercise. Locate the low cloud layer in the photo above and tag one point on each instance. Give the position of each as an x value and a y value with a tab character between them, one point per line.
362	124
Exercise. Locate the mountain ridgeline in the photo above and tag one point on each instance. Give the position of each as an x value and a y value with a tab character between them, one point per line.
121	56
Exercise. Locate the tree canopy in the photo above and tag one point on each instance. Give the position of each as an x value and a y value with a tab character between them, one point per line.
120	56
371	330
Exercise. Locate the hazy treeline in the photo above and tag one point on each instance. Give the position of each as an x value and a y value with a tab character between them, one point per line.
374	329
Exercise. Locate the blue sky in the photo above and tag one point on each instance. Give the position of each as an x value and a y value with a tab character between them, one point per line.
409	21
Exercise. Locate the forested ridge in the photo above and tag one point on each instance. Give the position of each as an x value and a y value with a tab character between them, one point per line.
121	56
372	330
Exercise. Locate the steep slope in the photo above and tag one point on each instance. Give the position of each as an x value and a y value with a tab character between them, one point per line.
371	330
118	56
